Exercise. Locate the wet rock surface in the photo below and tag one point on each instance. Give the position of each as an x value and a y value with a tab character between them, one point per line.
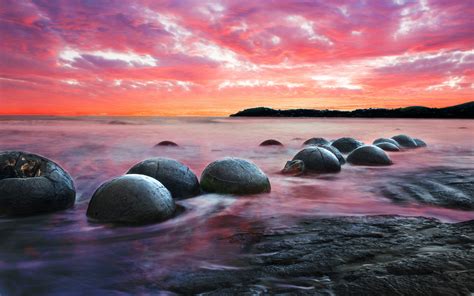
369	155
31	184
318	160
419	143
346	145
175	176
388	146
234	176
405	141
374	255
336	153
444	187
271	142
386	140
316	141
166	143
131	199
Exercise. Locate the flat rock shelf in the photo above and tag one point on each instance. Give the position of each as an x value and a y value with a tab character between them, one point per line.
374	255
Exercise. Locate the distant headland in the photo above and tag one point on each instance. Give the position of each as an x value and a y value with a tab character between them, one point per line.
464	111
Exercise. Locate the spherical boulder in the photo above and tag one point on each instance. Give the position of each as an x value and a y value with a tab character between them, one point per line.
316	141
271	142
132	199
32	184
166	143
369	155
405	141
346	145
336	153
175	176
234	176
318	160
419	143
388	146
386	140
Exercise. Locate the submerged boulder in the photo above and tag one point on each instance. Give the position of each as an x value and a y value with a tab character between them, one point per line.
346	145
405	141
386	140
175	176
388	146
234	176
166	143
32	184
318	160
419	143
336	153
316	141
133	199
369	155
271	142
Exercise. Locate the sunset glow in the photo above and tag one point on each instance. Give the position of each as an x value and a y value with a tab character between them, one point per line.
218	57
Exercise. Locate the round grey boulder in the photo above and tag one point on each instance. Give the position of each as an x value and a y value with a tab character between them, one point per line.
234	176
336	153
32	184
316	141
388	146
346	145
419	143
271	142
386	140
318	160
131	199
369	155
405	141
175	176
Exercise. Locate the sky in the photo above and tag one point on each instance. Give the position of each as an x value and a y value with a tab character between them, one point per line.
213	58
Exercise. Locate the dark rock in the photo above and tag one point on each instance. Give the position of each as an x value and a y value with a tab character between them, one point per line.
294	167
32	184
388	146
271	142
166	143
386	140
234	176
419	143
131	199
336	153
445	187
346	145
377	255
405	141
316	141
318	160
175	176
369	155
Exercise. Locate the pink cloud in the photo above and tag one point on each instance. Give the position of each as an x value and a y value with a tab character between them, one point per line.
260	51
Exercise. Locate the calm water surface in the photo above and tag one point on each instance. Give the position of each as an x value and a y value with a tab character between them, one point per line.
63	253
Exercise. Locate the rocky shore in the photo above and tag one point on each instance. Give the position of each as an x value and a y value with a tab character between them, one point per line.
373	255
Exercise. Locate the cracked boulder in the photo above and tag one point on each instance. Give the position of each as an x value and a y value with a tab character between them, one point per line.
318	160
32	184
175	176
131	199
346	145
234	176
